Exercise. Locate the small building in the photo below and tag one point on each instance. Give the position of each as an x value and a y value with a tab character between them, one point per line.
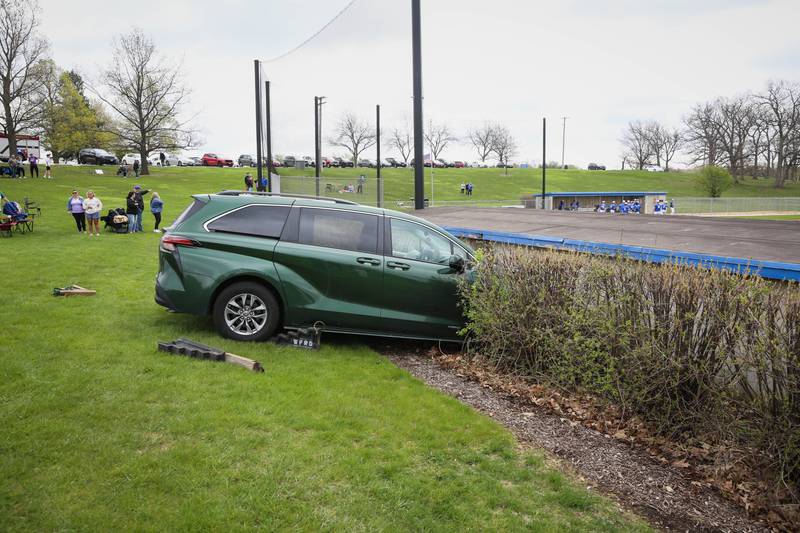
588	200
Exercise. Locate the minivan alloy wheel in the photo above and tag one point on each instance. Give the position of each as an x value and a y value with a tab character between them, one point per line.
246	314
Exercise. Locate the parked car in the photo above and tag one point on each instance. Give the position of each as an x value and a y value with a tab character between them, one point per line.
186	161
289	161
309	161
216	160
96	156
344	163
395	162
169	159
257	264
653	168
328	162
128	159
367	163
196	161
246	160
595	166
458	164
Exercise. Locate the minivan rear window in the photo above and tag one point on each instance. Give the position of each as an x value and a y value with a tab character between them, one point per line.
257	220
188	212
344	230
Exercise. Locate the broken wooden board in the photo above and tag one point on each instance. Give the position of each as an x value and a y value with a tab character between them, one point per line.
73	290
201	351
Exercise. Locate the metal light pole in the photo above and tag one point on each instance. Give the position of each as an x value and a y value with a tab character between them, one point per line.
563	138
318	101
257	65
419	169
544	158
269	135
378	155
316	140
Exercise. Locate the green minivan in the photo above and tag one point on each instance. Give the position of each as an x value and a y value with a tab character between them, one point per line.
257	262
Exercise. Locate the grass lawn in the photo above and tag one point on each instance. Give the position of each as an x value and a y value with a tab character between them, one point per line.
102	432
493	184
773	217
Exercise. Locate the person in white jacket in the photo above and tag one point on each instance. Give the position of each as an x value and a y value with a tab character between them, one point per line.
93	206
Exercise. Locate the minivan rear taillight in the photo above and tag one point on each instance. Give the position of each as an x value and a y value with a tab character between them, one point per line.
170	242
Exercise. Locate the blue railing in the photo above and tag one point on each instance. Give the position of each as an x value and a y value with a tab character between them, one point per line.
765	269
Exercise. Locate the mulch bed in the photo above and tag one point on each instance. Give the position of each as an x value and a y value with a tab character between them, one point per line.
661	493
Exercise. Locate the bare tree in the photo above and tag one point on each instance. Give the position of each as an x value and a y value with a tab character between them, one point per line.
734	119
701	134
482	139
353	135
638	148
504	145
672	142
782	103
21	70
759	139
402	141
147	96
438	136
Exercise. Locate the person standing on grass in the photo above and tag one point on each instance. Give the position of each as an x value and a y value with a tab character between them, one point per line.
672	206
48	162
34	165
139	194
75	208
93	206
156	207
162	157
132	210
136	166
248	182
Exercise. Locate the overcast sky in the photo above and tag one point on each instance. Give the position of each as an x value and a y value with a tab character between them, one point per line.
601	63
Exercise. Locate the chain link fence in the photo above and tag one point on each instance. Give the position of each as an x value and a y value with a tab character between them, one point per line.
736	205
364	190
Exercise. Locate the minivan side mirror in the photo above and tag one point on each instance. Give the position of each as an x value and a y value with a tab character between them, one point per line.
457	263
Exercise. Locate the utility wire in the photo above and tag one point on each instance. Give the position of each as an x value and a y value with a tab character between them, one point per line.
313	36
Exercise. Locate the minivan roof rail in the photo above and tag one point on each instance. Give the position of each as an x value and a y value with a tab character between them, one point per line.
306	196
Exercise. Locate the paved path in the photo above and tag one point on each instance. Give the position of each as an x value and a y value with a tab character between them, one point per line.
764	240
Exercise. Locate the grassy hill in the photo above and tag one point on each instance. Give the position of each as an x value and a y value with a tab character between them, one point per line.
490	184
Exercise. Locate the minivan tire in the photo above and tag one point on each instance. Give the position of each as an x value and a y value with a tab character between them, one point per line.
249	297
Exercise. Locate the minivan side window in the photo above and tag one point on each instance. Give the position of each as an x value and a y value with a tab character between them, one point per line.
415	241
333	228
256	220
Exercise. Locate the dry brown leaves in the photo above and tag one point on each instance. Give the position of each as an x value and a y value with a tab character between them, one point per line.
730	469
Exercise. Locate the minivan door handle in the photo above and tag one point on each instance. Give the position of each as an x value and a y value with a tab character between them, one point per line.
395	264
368	261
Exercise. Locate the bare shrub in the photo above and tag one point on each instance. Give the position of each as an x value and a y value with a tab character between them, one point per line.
689	350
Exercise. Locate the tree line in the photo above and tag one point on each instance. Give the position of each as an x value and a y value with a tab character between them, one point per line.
754	134
491	140
136	104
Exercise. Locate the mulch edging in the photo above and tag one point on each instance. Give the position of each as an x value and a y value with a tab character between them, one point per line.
663	495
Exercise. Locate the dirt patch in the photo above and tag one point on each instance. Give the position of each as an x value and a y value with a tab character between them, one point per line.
667	498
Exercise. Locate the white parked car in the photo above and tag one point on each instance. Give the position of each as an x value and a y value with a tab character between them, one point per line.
653	168
128	159
169	161
186	161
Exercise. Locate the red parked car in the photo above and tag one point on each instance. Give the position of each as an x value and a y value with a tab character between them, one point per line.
458	164
214	160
